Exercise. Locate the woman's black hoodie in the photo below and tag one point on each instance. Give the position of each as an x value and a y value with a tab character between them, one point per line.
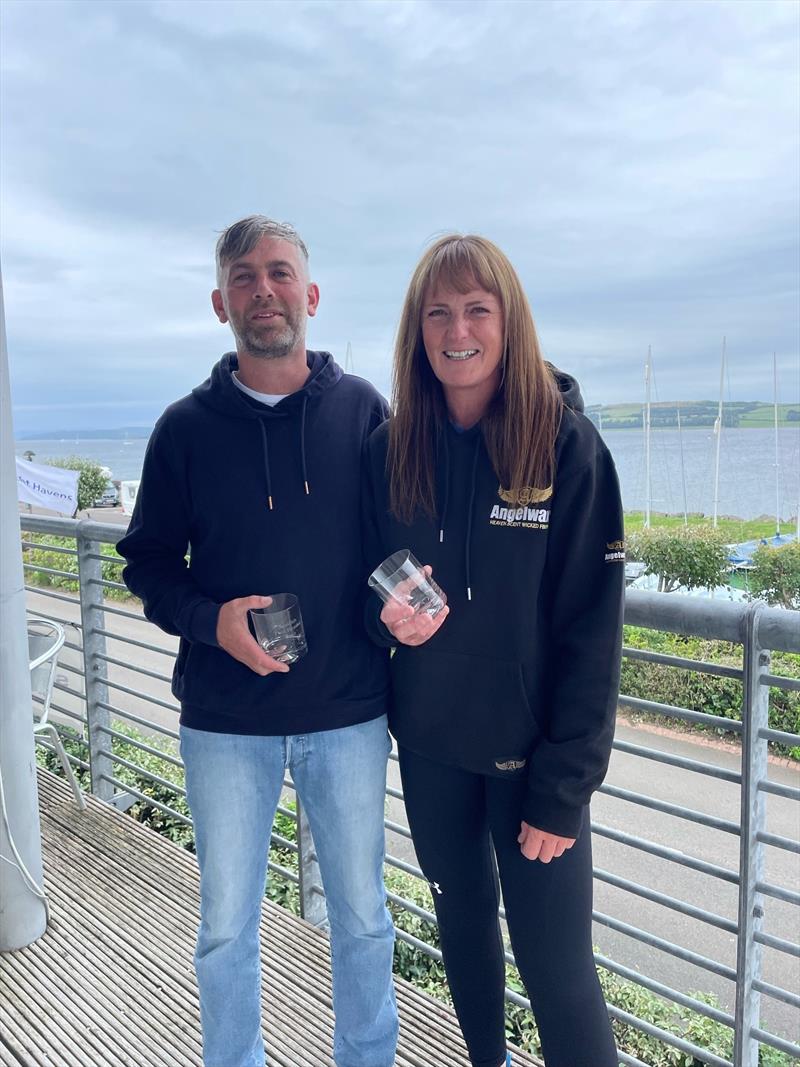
522	678
268	499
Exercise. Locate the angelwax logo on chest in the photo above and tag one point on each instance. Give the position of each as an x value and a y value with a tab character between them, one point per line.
524	507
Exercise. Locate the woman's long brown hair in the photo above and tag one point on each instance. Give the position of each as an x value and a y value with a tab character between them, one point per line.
521	424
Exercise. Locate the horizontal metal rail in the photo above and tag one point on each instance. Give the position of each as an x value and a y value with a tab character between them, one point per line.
779	681
43	546
135	668
664	853
682	762
681	906
652	707
134	743
778	790
680	953
689	814
76	761
777	993
679	1043
149	776
33	568
146	724
788	896
142	696
48	592
778	1043
148	646
697	666
665	991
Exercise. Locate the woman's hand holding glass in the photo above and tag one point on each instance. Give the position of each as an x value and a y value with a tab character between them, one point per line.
411	627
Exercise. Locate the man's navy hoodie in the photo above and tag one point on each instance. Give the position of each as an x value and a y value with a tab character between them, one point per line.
215	462
521	679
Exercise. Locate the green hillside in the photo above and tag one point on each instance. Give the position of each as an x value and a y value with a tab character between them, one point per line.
741	414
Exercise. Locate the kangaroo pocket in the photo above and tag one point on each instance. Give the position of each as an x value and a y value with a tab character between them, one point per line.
469	711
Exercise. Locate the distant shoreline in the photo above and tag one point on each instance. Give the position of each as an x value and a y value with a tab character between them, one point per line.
697	416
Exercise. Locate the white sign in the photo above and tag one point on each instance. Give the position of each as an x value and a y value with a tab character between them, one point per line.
47	487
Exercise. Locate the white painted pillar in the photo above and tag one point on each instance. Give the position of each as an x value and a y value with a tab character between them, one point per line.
23	916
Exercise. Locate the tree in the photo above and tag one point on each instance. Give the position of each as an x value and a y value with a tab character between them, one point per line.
92	480
775	576
688	556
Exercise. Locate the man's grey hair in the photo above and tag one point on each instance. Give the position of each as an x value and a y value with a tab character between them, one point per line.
241	237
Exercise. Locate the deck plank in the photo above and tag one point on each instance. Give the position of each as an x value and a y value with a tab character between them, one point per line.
111	983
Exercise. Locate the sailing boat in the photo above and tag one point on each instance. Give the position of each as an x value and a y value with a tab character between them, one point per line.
718	435
648	371
741	555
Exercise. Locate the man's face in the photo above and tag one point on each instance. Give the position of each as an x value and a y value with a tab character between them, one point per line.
265	295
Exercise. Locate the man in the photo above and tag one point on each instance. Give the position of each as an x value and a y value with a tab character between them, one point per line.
257	472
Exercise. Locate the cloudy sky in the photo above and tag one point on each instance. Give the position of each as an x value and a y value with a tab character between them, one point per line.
637	160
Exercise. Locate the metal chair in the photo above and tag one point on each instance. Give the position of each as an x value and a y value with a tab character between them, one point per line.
45	640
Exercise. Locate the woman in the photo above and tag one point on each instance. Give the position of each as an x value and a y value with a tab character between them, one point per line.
504	703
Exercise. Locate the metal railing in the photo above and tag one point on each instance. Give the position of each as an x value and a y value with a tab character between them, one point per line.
102	689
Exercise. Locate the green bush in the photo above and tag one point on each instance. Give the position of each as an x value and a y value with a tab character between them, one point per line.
91	482
48	556
411	963
705	692
688	556
775	576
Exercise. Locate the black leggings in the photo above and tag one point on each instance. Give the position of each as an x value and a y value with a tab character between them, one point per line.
455	818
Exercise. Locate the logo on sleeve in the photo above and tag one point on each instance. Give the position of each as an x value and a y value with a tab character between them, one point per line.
615	552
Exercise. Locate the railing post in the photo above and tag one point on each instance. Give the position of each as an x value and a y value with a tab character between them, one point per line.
755	717
94	644
312	895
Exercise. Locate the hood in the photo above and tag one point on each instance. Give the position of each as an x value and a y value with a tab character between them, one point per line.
219	391
568	387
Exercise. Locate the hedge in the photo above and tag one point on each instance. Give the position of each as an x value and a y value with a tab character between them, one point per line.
705	692
48	556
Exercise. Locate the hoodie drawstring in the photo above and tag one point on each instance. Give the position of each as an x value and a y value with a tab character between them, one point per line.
262	426
303	443
470	506
266	462
443	515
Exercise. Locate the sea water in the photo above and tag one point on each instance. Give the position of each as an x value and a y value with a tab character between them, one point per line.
747	478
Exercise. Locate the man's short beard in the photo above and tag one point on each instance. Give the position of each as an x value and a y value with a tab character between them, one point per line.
259	349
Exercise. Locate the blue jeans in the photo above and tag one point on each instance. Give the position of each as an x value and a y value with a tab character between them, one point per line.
233	784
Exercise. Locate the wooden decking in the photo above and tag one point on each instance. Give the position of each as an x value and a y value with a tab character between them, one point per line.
111	983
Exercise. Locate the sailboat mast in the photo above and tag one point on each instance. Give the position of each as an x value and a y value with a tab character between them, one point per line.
683	472
718	432
647	490
777	451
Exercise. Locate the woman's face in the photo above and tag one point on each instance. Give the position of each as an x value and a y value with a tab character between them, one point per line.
463	337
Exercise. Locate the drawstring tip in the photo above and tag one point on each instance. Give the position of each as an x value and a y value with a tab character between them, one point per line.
441	536
269	501
469	593
307	489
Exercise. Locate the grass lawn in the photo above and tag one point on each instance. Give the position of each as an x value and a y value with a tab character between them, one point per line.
734	529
